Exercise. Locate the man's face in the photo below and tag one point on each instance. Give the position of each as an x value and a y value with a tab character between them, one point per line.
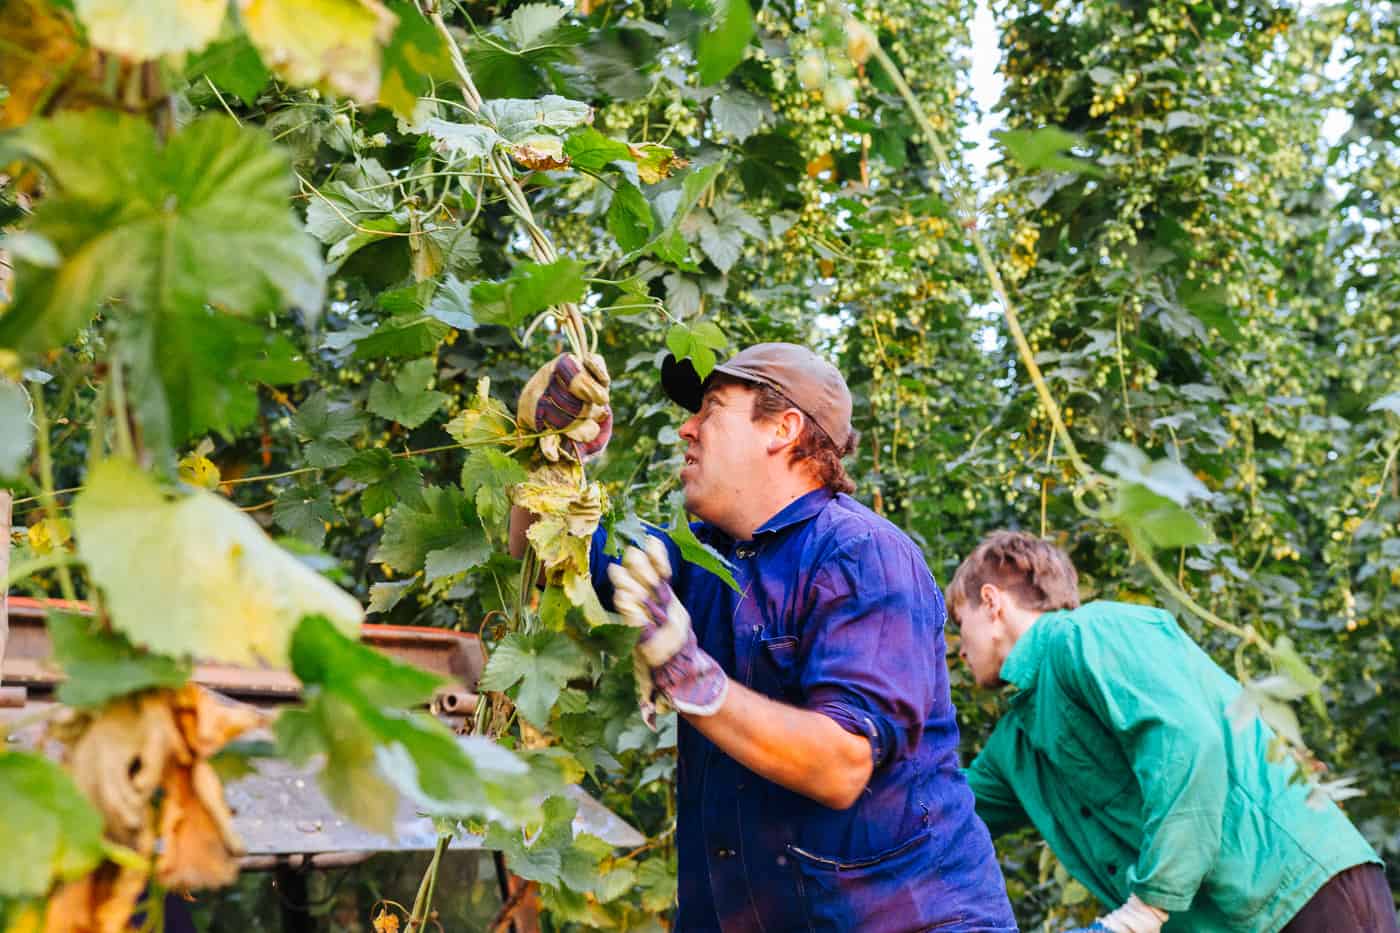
982	641
725	453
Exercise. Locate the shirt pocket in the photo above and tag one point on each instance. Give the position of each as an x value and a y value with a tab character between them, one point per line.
883	893
775	672
1086	756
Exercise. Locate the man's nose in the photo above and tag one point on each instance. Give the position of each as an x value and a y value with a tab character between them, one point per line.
687	431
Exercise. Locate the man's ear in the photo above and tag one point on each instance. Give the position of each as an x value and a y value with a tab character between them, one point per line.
787	428
991	597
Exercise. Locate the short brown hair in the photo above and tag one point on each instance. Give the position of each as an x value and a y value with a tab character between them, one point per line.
813	445
1037	574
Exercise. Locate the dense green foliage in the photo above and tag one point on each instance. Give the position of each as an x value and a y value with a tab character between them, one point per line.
313	288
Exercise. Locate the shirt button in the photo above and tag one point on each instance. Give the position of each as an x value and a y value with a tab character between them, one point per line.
1113	869
1084	811
724	853
744	553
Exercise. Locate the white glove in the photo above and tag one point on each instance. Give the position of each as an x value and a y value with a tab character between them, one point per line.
1135	917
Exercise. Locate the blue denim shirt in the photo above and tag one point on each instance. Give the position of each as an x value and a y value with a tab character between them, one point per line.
838	614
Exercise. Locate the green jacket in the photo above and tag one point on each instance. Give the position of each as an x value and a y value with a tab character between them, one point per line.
1119	749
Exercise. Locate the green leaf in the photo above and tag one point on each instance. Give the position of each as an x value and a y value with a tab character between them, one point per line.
386	595
203	220
487	476
323	656
530	289
1156	519
531	23
390	480
373	753
469	141
199	371
1042	150
152	29
1168	478
720	48
51	831
516	119
101	665
1390	403
738	113
402	336
414	57
16	430
630	220
305	511
539	665
684	343
697	552
1289	663
326	426
444	523
233	65
193	575
589	149
409	399
538	856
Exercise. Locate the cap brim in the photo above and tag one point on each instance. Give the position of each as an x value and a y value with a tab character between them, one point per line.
681	383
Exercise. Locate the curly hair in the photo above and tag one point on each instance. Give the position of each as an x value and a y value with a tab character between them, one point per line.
814	446
1036	573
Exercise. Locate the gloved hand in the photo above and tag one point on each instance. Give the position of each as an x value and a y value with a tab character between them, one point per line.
1133	917
571	397
680	669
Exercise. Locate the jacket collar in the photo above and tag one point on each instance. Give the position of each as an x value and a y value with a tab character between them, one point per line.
1022	664
797	511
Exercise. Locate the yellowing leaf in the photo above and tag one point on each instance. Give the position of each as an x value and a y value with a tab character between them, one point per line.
193	575
151	28
198	470
311	41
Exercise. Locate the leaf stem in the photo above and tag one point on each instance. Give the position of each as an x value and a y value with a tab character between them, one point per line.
423	902
41	439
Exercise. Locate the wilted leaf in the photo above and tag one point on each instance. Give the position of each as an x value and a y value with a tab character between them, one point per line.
484	420
312	41
153	28
415	55
656	162
540	153
193	575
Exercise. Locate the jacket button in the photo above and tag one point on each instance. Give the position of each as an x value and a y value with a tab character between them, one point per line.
724	853
744	553
1084	811
1113	869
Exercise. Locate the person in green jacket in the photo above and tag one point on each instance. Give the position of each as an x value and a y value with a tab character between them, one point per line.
1118	747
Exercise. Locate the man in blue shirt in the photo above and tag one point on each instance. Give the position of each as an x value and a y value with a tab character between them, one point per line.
818	785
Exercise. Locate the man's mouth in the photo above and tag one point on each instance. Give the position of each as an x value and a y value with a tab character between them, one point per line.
691	459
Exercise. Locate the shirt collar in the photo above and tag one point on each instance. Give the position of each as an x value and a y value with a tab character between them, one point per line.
1022	664
798	510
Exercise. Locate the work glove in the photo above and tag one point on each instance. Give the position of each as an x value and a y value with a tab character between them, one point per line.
570	397
681	671
1133	917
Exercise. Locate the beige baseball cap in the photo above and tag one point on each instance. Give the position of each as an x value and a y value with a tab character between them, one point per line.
813	385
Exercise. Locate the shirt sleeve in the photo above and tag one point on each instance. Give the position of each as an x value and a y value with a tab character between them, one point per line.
1171	738
599	560
997	803
871	647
